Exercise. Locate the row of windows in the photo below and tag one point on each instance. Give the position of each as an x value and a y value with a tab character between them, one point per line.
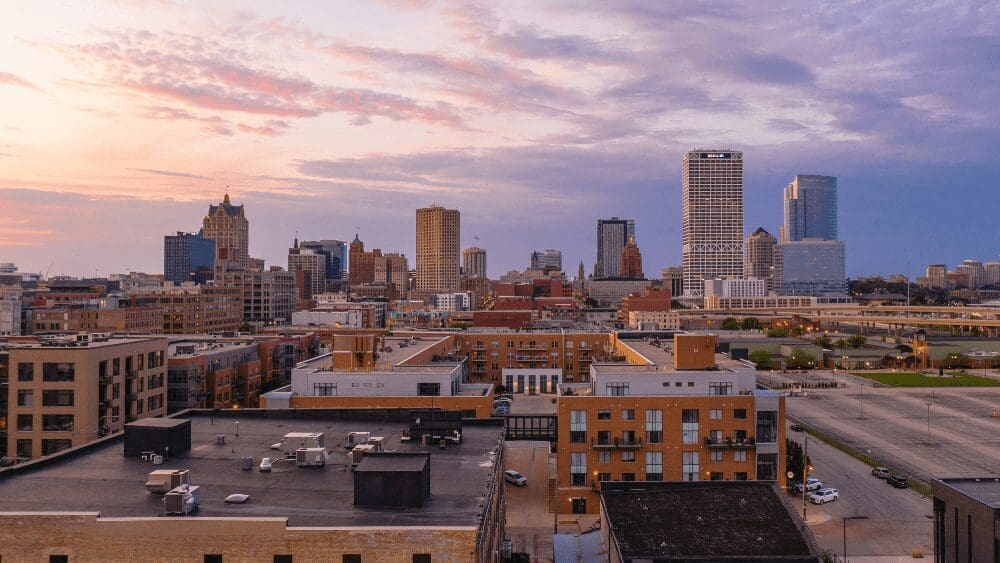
578	418
50	398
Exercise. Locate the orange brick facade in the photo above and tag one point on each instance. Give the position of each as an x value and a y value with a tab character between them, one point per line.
490	353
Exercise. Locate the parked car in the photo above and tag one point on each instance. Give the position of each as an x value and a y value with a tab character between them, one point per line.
898	481
812	484
824	496
514	477
798	428
881	472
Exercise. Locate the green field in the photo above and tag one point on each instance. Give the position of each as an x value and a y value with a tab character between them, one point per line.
912	379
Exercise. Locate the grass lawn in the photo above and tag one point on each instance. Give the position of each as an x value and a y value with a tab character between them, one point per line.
916	379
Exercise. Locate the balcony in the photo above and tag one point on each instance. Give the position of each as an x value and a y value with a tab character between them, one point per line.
616	444
730	443
533	358
528	347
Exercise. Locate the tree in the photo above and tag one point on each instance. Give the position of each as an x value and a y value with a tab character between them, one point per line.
730	324
800	359
776	332
794	457
857	341
841	343
762	358
244	327
824	341
750	323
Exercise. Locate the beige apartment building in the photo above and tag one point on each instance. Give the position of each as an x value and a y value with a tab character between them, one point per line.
195	309
438	236
66	392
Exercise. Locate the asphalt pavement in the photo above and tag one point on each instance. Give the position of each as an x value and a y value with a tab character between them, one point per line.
529	522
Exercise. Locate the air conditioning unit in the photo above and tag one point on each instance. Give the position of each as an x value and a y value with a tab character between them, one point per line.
357	439
294	441
163	481
310	457
182	501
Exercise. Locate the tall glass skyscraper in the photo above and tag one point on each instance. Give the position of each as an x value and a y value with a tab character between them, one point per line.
711	216
188	257
612	235
810	208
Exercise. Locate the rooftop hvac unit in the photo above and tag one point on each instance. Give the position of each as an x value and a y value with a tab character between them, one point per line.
163	481
310	457
358	453
294	441
357	439
246	463
220	439
182	501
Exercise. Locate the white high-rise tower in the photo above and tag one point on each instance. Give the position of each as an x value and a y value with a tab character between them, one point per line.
711	216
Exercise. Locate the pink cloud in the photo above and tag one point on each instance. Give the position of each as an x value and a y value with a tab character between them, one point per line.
270	128
12	80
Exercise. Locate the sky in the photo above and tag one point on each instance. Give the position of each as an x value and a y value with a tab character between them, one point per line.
121	121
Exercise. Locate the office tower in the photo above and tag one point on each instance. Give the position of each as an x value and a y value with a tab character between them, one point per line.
227	225
268	296
759	259
612	235
438	237
474	262
975	270
188	257
711	216
810	208
992	273
810	267
673	277
362	268
937	275
335	252
391	268
309	260
549	260
631	265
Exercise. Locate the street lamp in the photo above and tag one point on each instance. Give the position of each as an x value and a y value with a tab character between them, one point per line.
928	422
846	518
862	398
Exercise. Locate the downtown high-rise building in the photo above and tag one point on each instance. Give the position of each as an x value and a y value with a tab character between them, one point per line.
711	216
474	262
311	261
548	260
631	266
335	252
227	225
612	236
188	257
438	240
758	261
811	267
810	208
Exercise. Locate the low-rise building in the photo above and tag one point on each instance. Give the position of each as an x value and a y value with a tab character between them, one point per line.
490	353
10	317
195	309
966	519
654	320
213	373
130	320
68	391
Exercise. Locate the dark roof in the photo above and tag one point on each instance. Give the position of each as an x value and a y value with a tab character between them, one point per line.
159	422
985	490
717	520
100	479
383	462
761	230
230	209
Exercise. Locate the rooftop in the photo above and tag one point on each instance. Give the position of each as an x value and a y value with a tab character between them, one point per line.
71	341
714	520
982	489
101	479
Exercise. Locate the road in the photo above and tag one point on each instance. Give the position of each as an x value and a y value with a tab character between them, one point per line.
529	522
899	520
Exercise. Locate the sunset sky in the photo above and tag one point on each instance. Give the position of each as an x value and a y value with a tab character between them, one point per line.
121	121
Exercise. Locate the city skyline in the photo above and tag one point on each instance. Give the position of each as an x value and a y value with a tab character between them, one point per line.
508	113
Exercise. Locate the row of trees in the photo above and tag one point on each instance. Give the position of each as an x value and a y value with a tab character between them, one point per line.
798	359
856	341
748	323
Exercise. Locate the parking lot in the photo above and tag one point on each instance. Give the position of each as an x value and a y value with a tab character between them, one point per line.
529	522
898	520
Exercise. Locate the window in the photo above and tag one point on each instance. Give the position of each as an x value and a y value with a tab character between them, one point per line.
25	371
654	426
739	414
717	388
58	372
282	559
654	466
617	389
689	466
628	456
603	415
715	414
716	455
604	437
689	426
715	476
421	558
53	446
604	456
324	389
350	558
578	469
740	455
428	389
767	427
24	422
58	558
57	422
628	414
579	505
767	467
578	427
740	476
213	558
25	398
57	398
601	477
24	448
628	476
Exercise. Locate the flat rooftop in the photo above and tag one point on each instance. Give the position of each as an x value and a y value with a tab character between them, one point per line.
101	479
70	342
715	520
661	359
396	351
202	347
982	489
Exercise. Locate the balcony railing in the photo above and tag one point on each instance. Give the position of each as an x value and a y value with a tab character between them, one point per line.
530	347
728	442
533	358
616	443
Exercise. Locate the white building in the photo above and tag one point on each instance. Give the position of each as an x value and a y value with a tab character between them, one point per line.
733	287
451	301
654	320
711	216
321	317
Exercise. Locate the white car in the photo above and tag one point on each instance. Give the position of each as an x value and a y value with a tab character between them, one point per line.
812	484
824	496
514	477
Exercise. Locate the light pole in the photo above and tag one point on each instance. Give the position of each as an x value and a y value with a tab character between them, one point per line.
805	477
862	385
846	518
928	422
